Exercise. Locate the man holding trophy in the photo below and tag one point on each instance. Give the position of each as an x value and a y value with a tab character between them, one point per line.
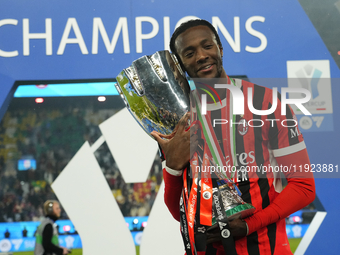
254	222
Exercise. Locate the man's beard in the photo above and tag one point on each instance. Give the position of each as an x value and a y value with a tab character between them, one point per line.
219	73
219	64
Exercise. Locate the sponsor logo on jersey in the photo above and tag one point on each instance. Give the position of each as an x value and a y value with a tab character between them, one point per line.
243	158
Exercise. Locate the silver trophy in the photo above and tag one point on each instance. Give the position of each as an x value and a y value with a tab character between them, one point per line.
156	93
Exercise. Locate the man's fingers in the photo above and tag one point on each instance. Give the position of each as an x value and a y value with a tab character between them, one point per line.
238	228
158	138
167	136
194	129
193	137
213	236
183	122
193	147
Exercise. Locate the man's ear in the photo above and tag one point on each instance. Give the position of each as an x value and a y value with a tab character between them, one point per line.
221	50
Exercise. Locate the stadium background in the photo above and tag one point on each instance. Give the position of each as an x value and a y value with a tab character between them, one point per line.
53	132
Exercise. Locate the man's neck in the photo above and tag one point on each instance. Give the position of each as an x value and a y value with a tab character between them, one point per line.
222	80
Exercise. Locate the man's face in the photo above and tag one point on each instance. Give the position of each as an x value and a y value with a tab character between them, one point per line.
200	54
56	209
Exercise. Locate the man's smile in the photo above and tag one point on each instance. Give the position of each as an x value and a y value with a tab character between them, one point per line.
206	68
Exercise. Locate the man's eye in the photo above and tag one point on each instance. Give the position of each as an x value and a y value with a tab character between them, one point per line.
209	46
189	54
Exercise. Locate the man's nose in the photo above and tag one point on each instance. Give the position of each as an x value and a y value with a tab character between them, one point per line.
201	56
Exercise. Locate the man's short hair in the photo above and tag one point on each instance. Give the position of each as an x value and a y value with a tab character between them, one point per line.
189	24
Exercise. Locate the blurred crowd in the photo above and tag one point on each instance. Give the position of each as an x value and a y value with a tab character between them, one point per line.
52	137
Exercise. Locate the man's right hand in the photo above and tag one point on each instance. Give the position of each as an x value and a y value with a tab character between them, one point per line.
179	146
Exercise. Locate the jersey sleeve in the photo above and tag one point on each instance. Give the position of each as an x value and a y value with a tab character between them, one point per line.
172	192
173	185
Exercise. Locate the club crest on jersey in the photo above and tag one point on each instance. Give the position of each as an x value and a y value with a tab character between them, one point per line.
242	127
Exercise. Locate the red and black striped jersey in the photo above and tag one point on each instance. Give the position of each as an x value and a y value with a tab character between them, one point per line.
265	146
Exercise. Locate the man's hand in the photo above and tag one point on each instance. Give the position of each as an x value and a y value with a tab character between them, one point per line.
180	145
238	229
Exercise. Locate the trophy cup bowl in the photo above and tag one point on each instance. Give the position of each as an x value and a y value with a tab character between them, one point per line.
155	92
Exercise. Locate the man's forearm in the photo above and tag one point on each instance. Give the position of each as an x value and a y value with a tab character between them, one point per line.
172	193
299	193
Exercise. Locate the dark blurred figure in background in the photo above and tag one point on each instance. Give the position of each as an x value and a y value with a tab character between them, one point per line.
47	242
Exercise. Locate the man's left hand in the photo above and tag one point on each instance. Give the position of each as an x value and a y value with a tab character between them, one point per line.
238	229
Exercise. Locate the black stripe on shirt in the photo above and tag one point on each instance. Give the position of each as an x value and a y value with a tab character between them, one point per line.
263	183
244	186
272	236
216	115
293	139
251	240
258	97
273	131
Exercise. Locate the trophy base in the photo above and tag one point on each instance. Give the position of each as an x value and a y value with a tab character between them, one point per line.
238	211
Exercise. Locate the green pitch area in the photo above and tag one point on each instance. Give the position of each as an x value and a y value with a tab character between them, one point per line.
293	242
74	252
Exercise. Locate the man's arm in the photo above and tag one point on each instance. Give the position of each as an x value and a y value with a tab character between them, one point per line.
172	191
289	151
47	241
299	192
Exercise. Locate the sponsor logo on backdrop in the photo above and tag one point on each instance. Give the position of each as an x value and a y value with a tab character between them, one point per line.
69	241
5	245
314	76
